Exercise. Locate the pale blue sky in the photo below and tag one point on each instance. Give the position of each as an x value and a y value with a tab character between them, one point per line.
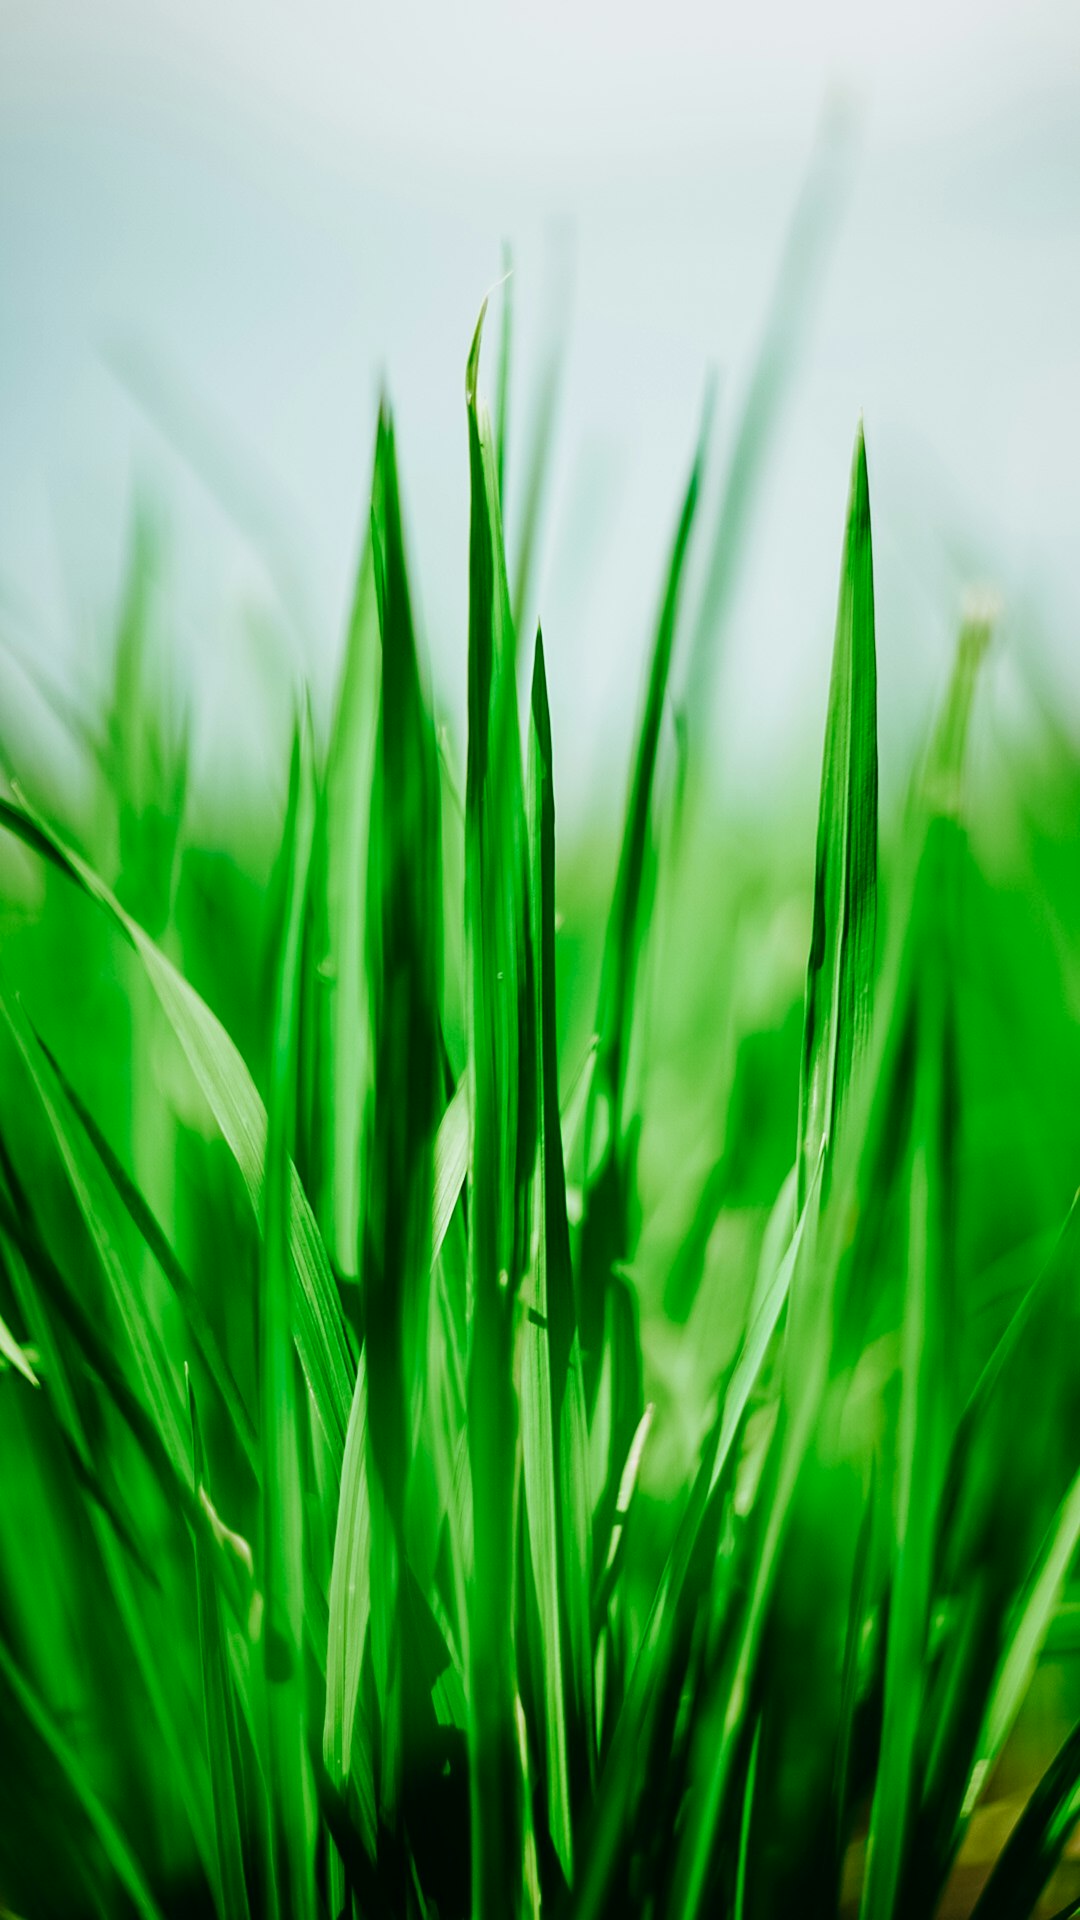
263	208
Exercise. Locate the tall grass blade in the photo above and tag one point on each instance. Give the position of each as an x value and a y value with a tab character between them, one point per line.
500	1018
554	1431
292	1838
841	968
404	967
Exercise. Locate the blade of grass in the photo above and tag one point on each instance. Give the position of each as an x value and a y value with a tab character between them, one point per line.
342	1044
499	1009
404	969
292	1839
554	1435
841	967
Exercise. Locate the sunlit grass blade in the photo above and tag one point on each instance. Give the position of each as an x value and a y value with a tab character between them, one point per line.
159	1386
292	1838
342	1064
842	964
554	1432
145	1221
500	1018
12	1354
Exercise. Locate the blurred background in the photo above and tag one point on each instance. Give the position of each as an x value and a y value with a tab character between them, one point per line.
221	226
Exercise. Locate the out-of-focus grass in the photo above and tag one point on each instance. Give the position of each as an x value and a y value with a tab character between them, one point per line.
531	1382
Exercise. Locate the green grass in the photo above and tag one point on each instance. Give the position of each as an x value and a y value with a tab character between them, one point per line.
533	1382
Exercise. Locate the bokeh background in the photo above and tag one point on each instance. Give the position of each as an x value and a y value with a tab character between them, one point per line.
222	226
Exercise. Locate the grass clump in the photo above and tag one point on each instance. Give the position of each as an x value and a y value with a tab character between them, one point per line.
351	1561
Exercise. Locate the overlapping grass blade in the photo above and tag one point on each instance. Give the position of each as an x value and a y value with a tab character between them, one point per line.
143	1218
216	1063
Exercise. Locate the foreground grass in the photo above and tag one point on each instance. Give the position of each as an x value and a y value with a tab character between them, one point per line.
431	1487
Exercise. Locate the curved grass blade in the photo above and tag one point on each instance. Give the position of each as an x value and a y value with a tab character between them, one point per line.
159	1389
147	1224
217	1065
